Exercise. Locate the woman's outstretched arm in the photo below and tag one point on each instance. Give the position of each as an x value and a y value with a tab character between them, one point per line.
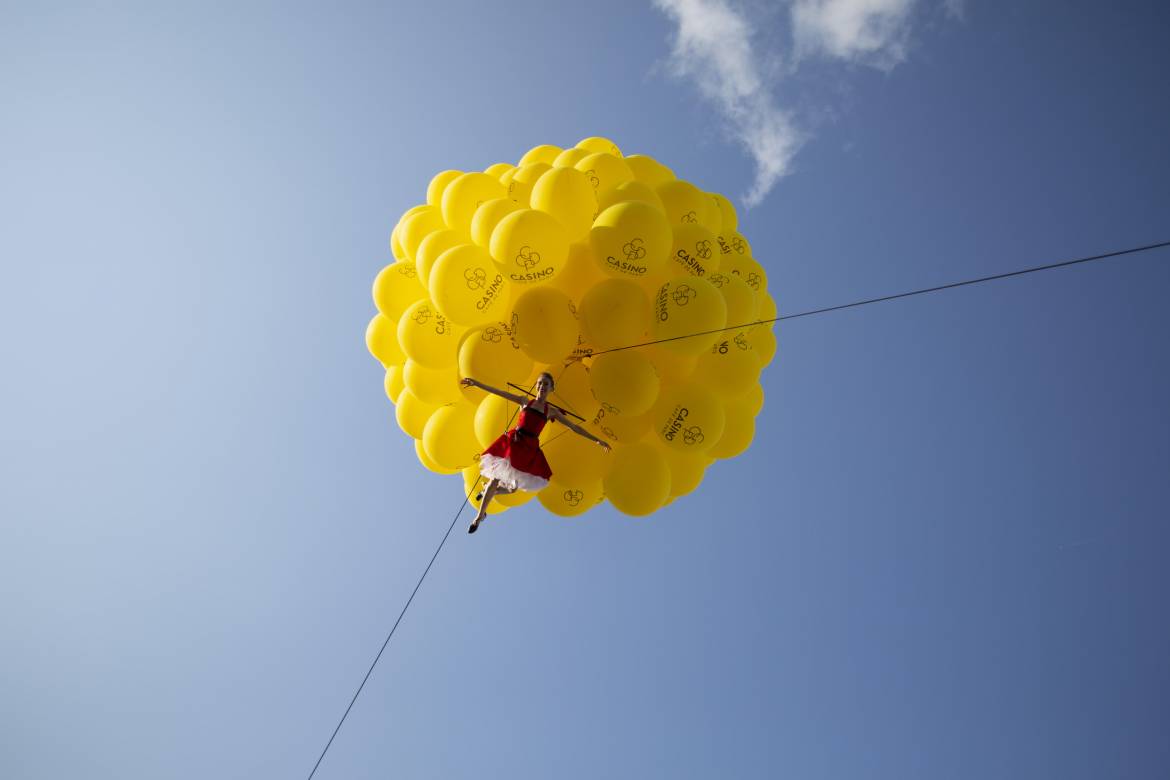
560	417
516	399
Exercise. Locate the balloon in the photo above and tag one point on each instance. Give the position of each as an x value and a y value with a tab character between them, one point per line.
745	267
566	501
639	480
732	243
763	342
487	216
427	462
529	247
439	183
417	227
768	310
685	203
496	170
520	182
729	220
629	190
435	386
620	428
567	195
569	158
464	195
685	307
743	305
474	484
543	324
449	436
688	417
686	470
396	288
493	417
490	354
468	288
694	251
393	383
573	392
648	170
580	274
597	143
729	368
382	341
615	313
412	414
604	170
672	366
754	399
738	431
575	461
430	250
426	336
625	382
631	239
545	153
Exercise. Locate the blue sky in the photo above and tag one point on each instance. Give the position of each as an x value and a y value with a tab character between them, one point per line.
944	555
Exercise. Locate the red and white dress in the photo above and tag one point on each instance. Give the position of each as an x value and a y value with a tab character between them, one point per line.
515	458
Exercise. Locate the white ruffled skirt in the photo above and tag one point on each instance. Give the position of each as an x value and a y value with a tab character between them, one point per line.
495	467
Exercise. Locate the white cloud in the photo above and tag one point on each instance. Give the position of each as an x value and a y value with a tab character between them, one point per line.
873	32
714	48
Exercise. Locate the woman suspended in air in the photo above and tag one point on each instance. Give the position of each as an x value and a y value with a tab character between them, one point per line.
514	461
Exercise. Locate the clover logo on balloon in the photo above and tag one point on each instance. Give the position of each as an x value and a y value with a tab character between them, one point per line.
574	497
476	278
634	249
741	341
738	245
492	335
718	280
528	258
422	316
592	174
684	294
703	249
689	217
407	269
753	280
693	435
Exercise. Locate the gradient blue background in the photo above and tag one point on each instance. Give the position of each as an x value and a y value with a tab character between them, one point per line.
944	556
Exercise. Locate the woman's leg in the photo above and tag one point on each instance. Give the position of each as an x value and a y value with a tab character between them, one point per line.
488	494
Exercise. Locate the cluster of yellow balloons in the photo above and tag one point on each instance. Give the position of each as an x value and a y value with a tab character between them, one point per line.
569	262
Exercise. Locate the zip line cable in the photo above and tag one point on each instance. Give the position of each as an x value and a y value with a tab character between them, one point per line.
809	313
923	291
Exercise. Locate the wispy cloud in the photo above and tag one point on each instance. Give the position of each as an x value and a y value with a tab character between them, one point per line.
713	46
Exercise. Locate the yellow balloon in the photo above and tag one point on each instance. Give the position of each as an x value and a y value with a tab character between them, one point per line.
427	337
393	383
529	247
615	313
694	251
431	248
580	273
688	417
474	484
627	191
487	216
686	470
490	354
396	288
565	194
449	436
520	182
493	417
631	239
396	247
574	460
496	170
625	382
382	341
417	227
620	428
753	399
569	158
513	500
639	481
728	217
429	464
672	367
746	267
743	304
412	414
468	288
763	342
464	195
738	431
566	501
713	219
768	309
685	203
545	153
439	183
604	170
729	368
597	143
573	392
543	324
648	170
685	307
436	386
732	243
